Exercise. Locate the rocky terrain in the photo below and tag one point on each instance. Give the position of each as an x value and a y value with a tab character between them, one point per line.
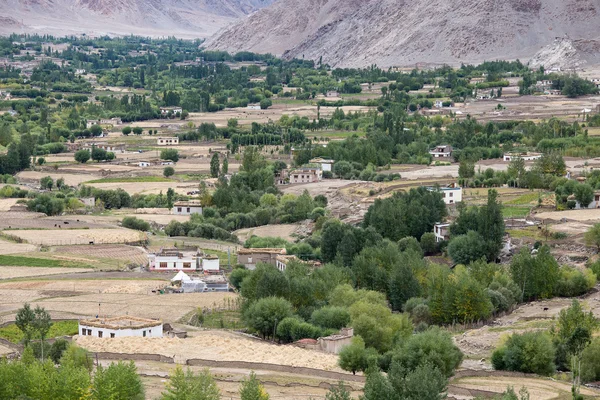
566	54
182	18
358	33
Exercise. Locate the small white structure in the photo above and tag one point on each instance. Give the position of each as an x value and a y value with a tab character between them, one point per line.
524	156
332	93
441	232
143	164
210	264
253	107
91	122
173	110
442	151
79	71
306	175
282	261
172	141
594	204
168	260
452	194
187	208
326	165
181	277
124	326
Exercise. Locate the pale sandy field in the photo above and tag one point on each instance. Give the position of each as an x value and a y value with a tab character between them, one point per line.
574	215
6	204
114	252
149	187
7	247
216	345
70	179
7	272
282	231
64	237
539	389
73	298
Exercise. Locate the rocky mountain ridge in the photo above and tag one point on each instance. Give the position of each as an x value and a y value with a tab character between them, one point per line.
358	33
181	18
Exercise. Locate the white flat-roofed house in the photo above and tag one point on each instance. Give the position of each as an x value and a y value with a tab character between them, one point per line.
442	151
91	122
326	165
169	260
441	232
143	164
124	326
173	110
524	156
306	175
186	208
452	194
210	264
171	141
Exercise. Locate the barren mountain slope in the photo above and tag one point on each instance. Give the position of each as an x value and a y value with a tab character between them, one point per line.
183	18
402	32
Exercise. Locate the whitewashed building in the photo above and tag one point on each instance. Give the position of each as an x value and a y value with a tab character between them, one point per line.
186	208
524	156
326	165
452	194
443	151
306	175
441	232
171	141
210	264
143	164
174	110
124	326
168	260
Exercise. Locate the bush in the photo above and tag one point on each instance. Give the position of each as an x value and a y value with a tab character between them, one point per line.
465	249
237	276
590	362
264	314
57	349
531	352
168	171
135	223
331	317
286	327
428	243
169	154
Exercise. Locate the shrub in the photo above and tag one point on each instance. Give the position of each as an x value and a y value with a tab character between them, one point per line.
135	223
331	317
168	172
531	352
263	315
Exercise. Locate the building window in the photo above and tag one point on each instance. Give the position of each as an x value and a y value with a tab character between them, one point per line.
89	332
112	335
178	209
99	334
163	265
187	265
144	333
451	194
188	209
451	201
83	332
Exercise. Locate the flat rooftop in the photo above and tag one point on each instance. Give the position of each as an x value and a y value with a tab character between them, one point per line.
123	322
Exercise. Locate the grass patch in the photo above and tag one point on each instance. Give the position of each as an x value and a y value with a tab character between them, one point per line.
132	179
524	233
222	320
19	261
537	324
526	199
515	212
60	328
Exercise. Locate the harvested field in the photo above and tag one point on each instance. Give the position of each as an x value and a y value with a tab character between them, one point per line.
7	247
24	272
572	228
48	223
20	215
6	204
127	254
282	231
66	298
539	388
148	187
216	345
573	215
64	237
70	179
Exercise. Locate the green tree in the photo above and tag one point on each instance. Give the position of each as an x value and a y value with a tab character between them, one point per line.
338	392
265	103
126	130
117	381
225	167
252	389
25	322
423	383
465	249
537	275
82	156
169	154
331	317
41	161
46	182
428	243
60	183
590	362
137	130
353	357
168	172
41	324
264	315
531	352
214	166
516	170
188	386
584	194
592	237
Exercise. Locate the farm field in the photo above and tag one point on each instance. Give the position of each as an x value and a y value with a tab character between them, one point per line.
62	237
70	178
9	272
72	298
216	345
283	231
587	215
148	187
6	204
106	253
7	247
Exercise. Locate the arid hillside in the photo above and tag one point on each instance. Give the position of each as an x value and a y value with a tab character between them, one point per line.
400	32
182	18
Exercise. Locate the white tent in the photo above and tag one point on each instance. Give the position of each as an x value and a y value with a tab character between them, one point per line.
586	110
181	276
